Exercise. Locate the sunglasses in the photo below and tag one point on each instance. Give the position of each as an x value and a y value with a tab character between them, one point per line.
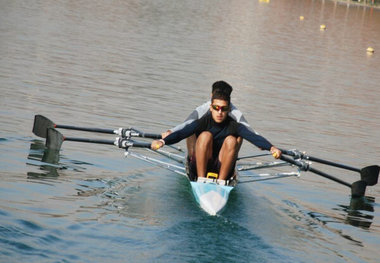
222	108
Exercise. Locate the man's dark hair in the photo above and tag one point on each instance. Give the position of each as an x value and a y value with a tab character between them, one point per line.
222	86
220	95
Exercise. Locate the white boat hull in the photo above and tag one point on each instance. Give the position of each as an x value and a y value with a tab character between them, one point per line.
211	196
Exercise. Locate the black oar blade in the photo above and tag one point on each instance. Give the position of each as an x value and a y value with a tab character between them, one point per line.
358	188
41	124
54	139
370	174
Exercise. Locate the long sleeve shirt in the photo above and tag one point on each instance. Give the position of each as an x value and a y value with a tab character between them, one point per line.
219	131
203	109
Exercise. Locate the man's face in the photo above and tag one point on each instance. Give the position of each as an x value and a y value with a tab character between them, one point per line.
219	110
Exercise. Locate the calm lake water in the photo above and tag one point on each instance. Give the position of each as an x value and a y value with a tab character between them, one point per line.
148	64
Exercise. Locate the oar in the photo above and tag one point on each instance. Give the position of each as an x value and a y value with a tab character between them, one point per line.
54	140
357	188
369	174
41	125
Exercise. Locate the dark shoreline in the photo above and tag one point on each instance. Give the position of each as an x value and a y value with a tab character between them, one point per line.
356	3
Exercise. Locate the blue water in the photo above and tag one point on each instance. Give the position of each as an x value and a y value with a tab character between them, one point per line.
98	219
148	64
60	212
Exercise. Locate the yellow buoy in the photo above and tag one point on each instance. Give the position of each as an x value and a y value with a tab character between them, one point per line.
370	50
302	18
322	27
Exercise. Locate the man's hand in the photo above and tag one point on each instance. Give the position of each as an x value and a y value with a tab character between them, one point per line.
165	134
275	152
157	144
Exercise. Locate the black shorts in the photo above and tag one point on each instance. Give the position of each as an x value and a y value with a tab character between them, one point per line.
213	166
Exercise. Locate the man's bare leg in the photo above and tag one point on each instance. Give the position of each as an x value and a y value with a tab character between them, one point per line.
227	156
240	142
203	152
190	143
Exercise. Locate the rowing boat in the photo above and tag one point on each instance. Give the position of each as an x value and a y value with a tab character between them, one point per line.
211	194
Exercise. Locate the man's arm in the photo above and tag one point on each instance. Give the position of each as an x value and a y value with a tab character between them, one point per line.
258	140
176	136
198	113
253	138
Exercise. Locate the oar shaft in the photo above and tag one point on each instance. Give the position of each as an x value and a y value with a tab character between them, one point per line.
319	160
137	133
311	169
138	144
130	132
99	130
150	135
123	132
339	165
88	140
122	143
42	124
306	167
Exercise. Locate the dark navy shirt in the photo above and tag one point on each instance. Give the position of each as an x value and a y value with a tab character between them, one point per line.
219	131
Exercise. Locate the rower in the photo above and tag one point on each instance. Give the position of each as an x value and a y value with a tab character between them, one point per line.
216	145
203	109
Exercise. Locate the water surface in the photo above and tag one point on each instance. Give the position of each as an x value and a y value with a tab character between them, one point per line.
147	64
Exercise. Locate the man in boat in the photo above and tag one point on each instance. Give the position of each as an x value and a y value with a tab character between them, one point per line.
216	146
203	109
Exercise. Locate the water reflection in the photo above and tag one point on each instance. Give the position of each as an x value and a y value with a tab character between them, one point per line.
50	161
360	211
47	160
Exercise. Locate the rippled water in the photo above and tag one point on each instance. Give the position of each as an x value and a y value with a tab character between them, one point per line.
147	64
